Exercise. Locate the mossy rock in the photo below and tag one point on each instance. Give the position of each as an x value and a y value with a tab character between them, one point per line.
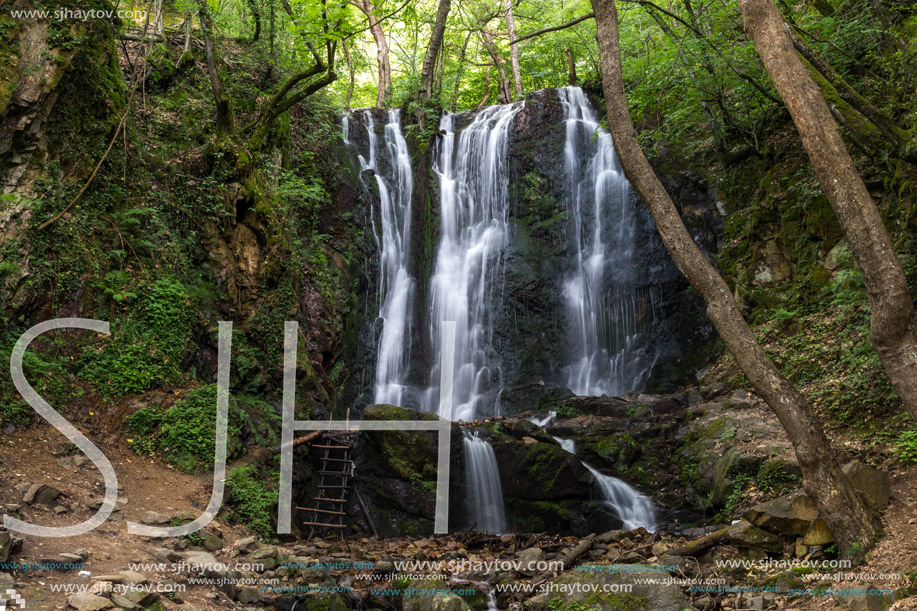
602	590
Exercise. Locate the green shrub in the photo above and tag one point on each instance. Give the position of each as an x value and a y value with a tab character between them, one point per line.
149	348
186	432
905	448
253	497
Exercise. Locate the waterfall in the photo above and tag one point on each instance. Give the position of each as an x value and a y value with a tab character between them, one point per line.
395	184
634	509
482	479
468	271
567	445
543	422
606	313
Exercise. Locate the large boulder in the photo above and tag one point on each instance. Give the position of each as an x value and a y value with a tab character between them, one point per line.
789	515
397	470
6	544
432	594
539	471
873	484
608	591
743	534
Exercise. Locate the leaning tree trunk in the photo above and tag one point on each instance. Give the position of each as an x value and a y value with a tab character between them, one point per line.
893	326
382	52
840	505
427	73
256	16
223	106
513	48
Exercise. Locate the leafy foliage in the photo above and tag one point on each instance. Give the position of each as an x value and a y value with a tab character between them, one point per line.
252	496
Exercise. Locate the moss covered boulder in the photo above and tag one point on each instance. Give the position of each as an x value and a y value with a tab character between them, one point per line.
397	470
608	591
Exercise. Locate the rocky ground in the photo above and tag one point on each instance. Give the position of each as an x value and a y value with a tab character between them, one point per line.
705	445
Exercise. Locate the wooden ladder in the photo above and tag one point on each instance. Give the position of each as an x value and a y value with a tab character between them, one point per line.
329	507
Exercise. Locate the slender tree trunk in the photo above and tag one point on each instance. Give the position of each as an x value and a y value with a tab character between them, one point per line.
350	72
271	42
841	507
158	19
427	72
256	15
505	93
572	79
486	97
513	48
893	327
383	60
894	134
440	68
458	73
223	106
187	46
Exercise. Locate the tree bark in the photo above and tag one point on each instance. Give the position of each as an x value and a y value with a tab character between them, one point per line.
223	106
383	60
427	72
841	507
513	48
893	327
459	72
256	15
350	71
486	97
505	95
572	79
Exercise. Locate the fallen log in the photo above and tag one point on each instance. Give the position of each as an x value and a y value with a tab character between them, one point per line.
699	546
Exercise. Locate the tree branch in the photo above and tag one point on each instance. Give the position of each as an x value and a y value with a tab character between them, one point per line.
555	28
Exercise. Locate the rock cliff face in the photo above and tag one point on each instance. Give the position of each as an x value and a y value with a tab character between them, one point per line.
61	94
531	329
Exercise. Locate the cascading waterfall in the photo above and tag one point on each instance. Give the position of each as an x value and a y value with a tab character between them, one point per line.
468	273
484	493
634	509
395	184
467	277
605	312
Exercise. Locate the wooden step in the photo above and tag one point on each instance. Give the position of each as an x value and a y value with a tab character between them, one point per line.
328	511
330	487
336	473
337	459
320	524
318	498
347	447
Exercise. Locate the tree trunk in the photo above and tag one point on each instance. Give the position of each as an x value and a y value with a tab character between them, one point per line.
486	97
187	46
350	72
505	95
271	42
223	107
840	505
382	53
458	73
436	40
894	134
256	15
572	79
893	327
513	48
